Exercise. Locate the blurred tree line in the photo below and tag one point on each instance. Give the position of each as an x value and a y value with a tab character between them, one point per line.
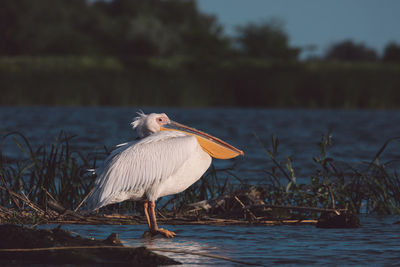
130	29
71	51
350	51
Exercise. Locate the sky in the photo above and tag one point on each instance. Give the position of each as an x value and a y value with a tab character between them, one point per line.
322	23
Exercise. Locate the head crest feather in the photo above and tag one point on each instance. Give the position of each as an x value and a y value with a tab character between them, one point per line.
139	122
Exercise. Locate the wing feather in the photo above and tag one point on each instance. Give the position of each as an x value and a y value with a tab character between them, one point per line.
136	169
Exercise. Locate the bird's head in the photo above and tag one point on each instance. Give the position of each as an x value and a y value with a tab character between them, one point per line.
147	124
152	123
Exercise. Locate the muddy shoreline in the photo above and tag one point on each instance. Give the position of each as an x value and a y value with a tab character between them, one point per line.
23	245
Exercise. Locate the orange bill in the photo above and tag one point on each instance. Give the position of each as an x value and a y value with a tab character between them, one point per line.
214	146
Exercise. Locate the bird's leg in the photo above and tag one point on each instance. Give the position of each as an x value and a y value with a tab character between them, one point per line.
153	222
146	212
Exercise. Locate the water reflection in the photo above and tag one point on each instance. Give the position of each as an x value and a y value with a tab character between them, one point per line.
376	242
183	246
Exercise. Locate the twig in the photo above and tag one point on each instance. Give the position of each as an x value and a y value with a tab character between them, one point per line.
9	192
332	198
194	210
162	215
26	200
47	192
337	211
83	200
31	204
246	209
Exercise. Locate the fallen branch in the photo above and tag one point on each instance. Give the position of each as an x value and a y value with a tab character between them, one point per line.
302	208
253	217
83	200
24	199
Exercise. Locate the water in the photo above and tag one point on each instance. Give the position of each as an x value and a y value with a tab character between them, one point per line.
357	135
376	243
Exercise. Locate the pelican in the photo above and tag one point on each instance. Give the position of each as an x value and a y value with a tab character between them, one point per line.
167	159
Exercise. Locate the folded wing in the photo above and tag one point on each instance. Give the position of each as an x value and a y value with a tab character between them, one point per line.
133	169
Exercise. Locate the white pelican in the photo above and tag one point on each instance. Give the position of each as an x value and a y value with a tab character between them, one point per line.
167	159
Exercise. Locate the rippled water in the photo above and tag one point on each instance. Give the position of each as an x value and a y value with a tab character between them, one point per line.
357	135
376	242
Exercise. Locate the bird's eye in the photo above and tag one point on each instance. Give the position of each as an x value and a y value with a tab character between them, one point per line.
159	119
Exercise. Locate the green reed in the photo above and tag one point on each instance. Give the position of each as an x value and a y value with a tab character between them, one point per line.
192	81
54	170
58	170
372	187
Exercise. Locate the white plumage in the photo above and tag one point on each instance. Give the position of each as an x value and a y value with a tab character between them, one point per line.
165	161
150	168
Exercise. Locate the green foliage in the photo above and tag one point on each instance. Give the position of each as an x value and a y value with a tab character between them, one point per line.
392	53
55	168
265	40
349	51
185	81
46	27
62	171
167	53
372	188
365	188
125	29
134	29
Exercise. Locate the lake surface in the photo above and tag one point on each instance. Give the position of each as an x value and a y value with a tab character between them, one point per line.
375	243
357	136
